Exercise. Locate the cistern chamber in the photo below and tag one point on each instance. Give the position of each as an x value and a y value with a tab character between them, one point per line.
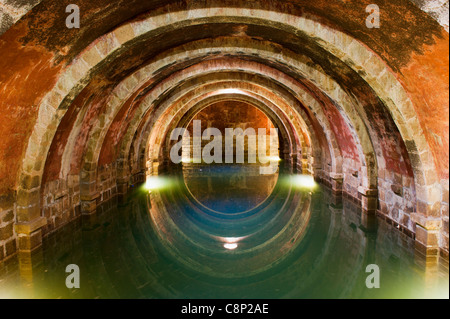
224	149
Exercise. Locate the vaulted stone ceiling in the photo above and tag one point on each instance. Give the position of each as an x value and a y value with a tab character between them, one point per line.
86	112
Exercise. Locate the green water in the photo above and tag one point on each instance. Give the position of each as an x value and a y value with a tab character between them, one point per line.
166	243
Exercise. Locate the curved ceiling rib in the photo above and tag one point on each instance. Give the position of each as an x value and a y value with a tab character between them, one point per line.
104	100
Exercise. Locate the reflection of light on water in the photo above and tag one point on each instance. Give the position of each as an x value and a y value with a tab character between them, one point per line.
8	292
438	290
304	181
4	295
230	243
155	182
230	246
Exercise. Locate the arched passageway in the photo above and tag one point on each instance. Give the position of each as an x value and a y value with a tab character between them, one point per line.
88	112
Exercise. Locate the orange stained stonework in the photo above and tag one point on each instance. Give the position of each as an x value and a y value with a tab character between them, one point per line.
290	52
27	73
426	78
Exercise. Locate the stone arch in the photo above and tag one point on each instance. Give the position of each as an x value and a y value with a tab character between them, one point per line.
292	140
384	84
138	116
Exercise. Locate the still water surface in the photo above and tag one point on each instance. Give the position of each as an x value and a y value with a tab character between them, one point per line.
226	232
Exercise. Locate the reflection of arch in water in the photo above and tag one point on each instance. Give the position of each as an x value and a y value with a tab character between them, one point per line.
310	269
302	258
245	175
206	220
188	242
340	238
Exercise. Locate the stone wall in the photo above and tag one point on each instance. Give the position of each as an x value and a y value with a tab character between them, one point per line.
91	93
397	197
352	176
443	240
61	202
106	182
11	11
7	235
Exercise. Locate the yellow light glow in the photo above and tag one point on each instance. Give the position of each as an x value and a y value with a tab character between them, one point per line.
272	159
304	181
155	182
230	246
230	243
231	240
231	91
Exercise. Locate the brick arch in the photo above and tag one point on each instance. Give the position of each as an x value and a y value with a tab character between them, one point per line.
310	101
237	83
209	98
92	160
140	139
12	11
128	138
121	90
193	94
293	139
302	146
351	52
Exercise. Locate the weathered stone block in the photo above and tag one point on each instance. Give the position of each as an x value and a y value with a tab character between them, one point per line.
10	248
92	57
445	225
29	182
383	208
25	214
88	207
6	231
427	222
28	197
444	211
421	235
7	201
7	217
30	226
31	241
369	204
397	190
88	191
368	192
429	210
444	243
124	34
445	195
